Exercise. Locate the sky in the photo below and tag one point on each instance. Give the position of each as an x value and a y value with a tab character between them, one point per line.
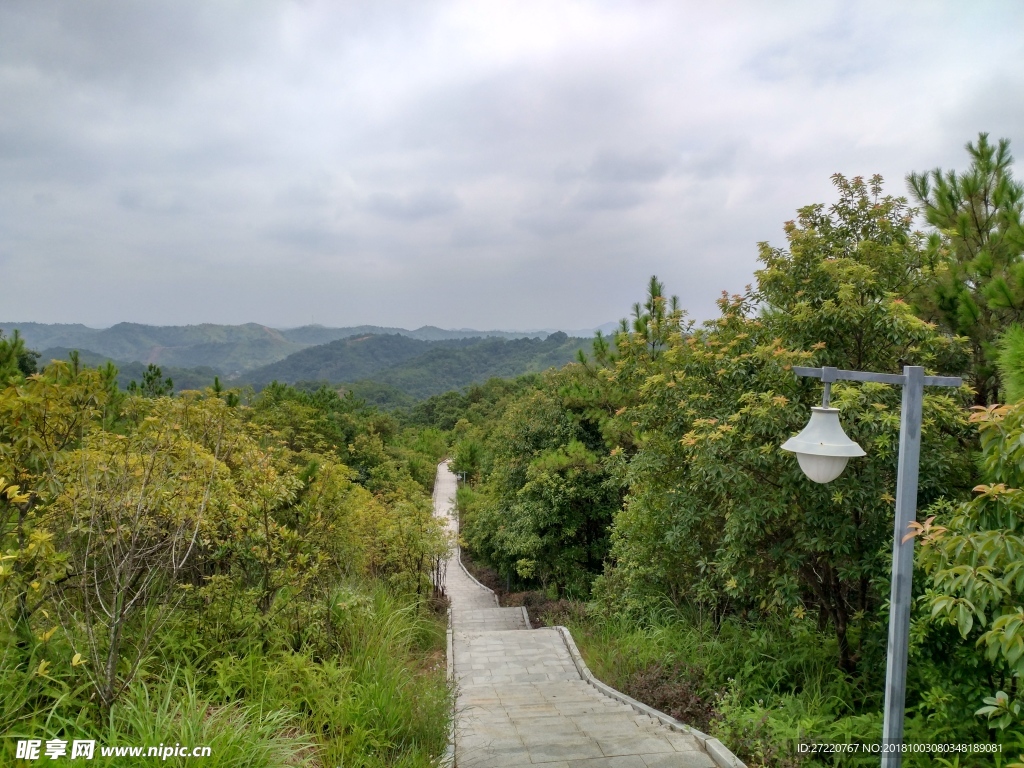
482	164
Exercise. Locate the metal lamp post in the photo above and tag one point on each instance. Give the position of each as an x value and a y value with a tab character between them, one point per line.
823	450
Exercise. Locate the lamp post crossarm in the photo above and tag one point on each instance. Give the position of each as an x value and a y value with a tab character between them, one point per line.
828	375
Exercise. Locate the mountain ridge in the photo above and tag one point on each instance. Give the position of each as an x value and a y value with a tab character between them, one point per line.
418	368
231	350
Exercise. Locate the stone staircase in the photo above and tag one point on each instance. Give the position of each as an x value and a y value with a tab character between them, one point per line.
525	697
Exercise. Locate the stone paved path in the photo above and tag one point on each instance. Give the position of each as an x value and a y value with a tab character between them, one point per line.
521	700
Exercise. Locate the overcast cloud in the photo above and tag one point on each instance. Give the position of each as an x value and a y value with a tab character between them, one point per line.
477	164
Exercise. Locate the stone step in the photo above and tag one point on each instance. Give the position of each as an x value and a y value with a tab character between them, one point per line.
488	619
521	700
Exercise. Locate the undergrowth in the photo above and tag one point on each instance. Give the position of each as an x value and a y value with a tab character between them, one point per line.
763	689
374	696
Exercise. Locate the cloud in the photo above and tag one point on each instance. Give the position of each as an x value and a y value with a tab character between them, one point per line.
314	236
500	164
644	166
412	206
146	201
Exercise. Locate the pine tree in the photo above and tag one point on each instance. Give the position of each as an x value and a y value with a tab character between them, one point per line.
975	254
15	358
153	383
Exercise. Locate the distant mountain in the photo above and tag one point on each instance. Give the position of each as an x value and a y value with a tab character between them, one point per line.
432	333
443	368
607	329
349	359
318	334
310	335
230	350
391	363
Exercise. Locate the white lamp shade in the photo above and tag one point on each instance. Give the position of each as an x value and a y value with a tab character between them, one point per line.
822	469
822	448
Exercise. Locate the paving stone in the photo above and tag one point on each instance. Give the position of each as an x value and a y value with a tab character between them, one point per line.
625	761
521	701
679	760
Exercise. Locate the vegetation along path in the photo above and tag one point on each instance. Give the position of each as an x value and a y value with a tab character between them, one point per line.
526	698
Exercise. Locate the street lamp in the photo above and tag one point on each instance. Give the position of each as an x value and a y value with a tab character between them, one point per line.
823	449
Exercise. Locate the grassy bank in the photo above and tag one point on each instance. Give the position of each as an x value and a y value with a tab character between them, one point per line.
193	572
374	695
765	688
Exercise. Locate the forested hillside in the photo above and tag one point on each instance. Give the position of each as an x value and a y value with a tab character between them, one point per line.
228	349
351	359
255	579
643	494
181	378
418	369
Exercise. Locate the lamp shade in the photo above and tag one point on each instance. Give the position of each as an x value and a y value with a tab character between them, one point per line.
822	448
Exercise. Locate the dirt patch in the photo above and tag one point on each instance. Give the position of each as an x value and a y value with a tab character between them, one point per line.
677	690
544	611
486	576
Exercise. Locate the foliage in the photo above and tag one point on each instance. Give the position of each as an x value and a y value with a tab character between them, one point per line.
475	404
973	553
15	358
153	383
716	512
415	368
976	253
129	516
144	535
548	501
375	698
40	418
1011	363
182	378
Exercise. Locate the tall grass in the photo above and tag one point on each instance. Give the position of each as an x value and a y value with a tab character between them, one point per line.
239	735
374	695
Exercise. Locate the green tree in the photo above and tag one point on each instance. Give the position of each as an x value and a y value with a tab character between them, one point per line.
716	512
41	418
1011	363
543	512
130	515
15	358
153	383
977	272
973	553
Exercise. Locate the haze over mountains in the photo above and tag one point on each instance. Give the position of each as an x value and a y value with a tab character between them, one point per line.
228	349
403	368
390	365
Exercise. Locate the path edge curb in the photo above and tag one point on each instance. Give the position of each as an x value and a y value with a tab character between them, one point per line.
448	758
715	749
465	570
